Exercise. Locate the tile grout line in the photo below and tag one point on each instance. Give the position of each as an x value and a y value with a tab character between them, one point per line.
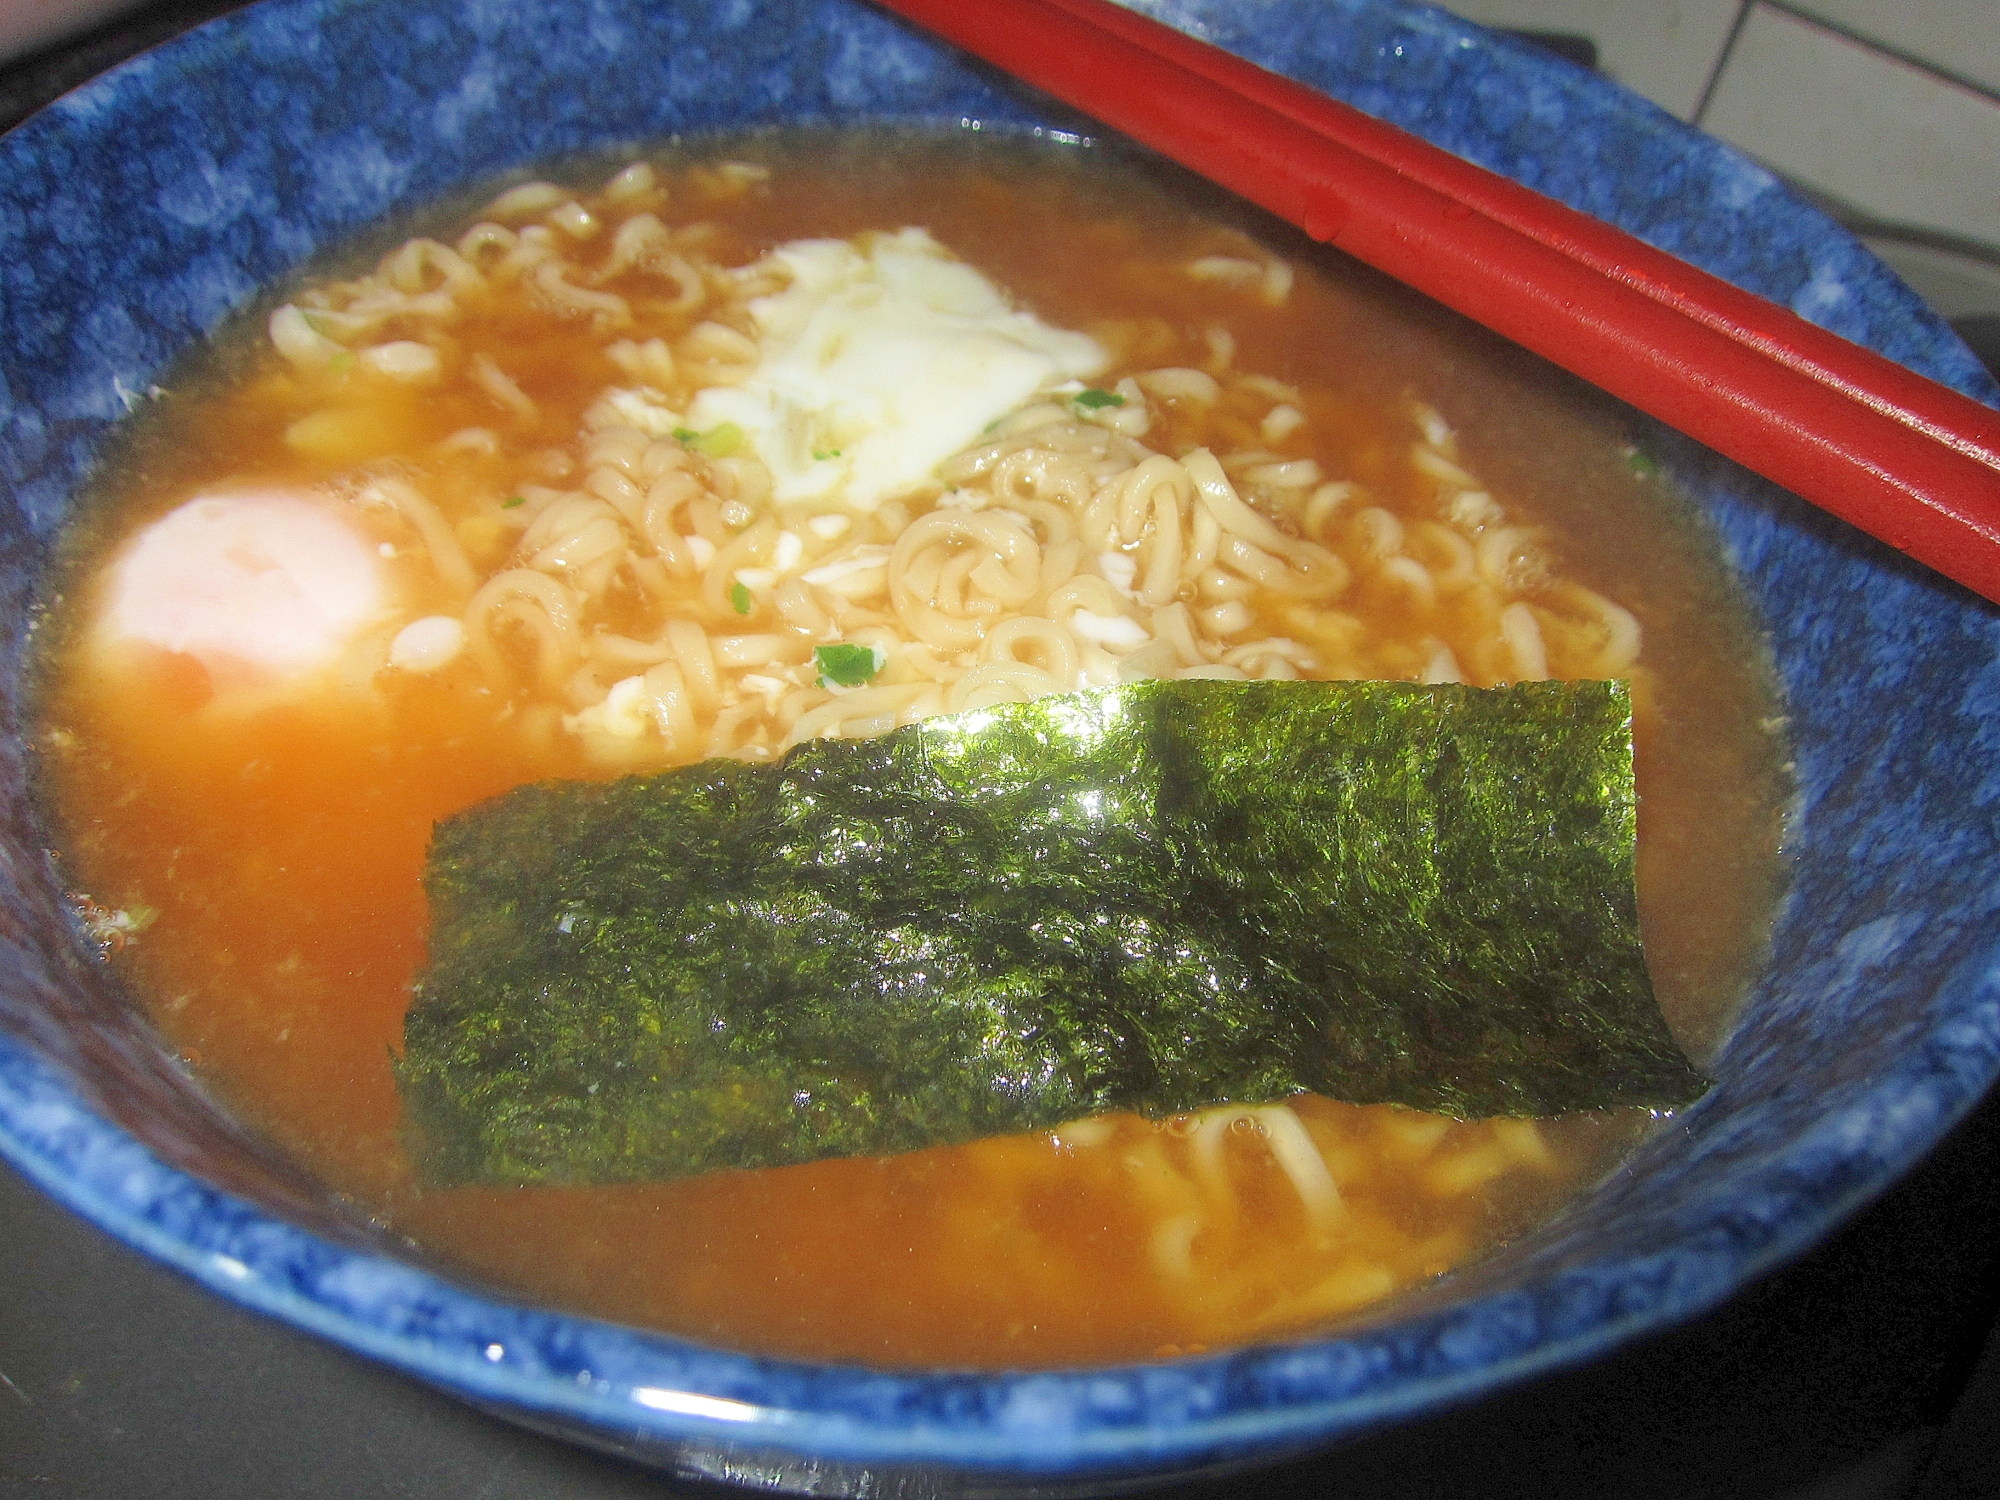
1721	61
1909	59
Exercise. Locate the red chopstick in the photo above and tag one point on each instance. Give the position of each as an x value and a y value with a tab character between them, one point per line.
1901	457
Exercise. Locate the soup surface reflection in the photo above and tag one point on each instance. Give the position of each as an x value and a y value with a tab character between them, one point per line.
588	572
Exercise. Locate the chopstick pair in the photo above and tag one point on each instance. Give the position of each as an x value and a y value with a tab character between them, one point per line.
1903	458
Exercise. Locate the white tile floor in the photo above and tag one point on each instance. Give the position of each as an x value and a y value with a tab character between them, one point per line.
1893	108
1665	49
1960	38
1877	132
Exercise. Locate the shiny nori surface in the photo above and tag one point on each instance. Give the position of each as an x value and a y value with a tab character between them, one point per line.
1154	897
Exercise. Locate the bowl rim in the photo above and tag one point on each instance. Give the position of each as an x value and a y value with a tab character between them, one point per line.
1148	1418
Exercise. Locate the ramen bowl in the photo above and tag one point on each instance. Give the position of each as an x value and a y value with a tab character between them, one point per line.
144	208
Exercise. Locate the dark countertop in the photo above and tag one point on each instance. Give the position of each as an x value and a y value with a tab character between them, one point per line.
1870	1370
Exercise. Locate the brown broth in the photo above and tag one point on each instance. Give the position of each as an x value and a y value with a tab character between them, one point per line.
282	849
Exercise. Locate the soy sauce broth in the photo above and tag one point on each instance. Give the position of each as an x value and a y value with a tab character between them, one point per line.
281	852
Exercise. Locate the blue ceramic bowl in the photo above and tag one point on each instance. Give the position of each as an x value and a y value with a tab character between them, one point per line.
140	210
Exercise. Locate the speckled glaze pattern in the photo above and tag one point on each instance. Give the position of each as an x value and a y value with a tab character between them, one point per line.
137	212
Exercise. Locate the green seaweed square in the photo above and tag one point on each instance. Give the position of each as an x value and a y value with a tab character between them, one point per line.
1156	897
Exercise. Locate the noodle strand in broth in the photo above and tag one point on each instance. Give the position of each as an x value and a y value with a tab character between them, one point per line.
541	426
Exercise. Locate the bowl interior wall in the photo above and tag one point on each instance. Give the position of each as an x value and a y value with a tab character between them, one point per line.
138	213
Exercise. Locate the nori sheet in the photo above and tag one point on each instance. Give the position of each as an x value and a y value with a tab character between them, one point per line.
1154	897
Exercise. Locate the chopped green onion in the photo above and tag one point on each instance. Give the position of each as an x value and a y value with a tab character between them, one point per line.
513	500
1641	464
718	442
846	665
318	325
739	598
823	454
1092	399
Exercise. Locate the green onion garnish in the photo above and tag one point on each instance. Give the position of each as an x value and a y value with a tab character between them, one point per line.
846	665
718	442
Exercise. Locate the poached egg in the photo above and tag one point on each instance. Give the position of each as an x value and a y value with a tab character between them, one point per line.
881	358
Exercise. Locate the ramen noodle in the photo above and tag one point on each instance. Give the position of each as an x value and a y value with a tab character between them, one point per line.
720	455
